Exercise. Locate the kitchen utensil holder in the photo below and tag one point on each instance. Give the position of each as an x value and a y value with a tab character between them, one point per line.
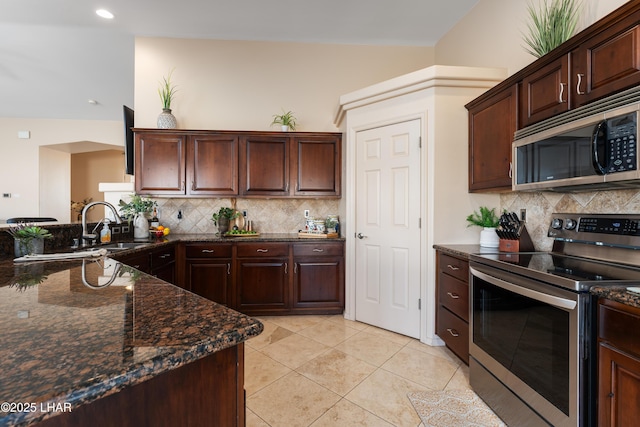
522	244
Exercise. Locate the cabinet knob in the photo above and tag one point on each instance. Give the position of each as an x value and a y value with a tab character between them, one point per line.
454	296
453	332
453	267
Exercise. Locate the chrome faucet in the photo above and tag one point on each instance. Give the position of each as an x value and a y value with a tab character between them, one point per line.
86	236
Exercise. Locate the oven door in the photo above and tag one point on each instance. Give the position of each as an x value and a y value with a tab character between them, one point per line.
528	335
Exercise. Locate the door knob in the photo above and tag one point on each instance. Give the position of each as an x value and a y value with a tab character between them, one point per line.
360	236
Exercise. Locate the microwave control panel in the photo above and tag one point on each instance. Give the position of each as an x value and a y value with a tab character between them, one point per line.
621	144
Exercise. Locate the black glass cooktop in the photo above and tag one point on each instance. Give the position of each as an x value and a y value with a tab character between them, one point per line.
562	270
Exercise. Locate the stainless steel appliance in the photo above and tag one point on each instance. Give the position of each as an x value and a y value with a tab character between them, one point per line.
532	325
594	146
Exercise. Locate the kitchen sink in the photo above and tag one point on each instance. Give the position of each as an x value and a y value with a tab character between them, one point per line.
122	246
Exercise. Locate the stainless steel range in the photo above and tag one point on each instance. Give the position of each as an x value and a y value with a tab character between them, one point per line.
532	325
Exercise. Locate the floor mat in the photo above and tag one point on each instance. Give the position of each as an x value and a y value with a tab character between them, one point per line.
453	408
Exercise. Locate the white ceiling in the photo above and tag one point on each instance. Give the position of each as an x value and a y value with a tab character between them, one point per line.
55	55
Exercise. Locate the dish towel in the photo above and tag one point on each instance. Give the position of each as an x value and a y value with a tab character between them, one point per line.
62	256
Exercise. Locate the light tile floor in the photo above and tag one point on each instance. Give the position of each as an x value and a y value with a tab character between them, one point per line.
327	371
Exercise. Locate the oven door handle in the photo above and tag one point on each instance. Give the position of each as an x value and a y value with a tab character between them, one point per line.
530	293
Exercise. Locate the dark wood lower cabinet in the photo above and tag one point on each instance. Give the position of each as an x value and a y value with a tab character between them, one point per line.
618	364
318	277
262	285
207	392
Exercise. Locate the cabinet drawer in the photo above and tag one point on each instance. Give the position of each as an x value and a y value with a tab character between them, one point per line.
619	326
314	249
208	250
454	295
163	256
455	267
263	249
454	332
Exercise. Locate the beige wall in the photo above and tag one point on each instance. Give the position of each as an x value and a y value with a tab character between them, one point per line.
240	85
26	167
90	169
490	35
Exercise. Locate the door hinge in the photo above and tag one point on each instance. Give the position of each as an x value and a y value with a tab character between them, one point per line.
419	222
419	303
419	142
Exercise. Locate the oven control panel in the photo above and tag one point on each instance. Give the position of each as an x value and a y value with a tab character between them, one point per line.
608	229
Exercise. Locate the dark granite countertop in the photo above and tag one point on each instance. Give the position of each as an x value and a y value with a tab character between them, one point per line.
460	250
67	338
619	294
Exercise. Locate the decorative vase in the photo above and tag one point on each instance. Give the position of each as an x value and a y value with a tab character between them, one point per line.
489	238
166	120
223	225
140	227
22	247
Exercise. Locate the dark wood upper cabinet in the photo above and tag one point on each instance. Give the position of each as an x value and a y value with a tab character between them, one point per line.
212	165
246	164
601	60
264	162
545	92
316	164
160	163
492	124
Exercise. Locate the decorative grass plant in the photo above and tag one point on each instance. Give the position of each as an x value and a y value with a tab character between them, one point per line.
552	23
167	91
486	218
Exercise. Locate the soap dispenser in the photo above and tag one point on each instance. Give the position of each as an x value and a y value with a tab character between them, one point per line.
105	233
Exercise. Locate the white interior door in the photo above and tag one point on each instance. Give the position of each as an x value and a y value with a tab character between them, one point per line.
387	227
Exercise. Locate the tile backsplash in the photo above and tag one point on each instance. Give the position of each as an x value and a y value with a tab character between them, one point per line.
268	215
541	205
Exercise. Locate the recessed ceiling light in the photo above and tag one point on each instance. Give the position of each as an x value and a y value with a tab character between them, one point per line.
104	14
93	102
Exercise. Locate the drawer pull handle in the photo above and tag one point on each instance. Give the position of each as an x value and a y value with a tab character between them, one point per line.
286	266
165	256
453	332
228	268
208	251
562	85
453	267
454	296
580	92
295	268
262	250
318	250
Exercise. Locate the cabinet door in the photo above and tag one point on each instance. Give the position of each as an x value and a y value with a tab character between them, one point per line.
211	278
608	62
545	93
492	124
319	283
160	163
212	165
619	388
163	264
316	165
264	166
261	285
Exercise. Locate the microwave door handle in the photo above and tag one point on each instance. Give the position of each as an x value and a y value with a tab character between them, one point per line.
599	137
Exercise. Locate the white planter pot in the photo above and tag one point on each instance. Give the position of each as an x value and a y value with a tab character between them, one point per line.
489	238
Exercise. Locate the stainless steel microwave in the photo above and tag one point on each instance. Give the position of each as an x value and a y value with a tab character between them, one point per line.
589	149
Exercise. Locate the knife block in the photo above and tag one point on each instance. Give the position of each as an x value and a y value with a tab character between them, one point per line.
522	244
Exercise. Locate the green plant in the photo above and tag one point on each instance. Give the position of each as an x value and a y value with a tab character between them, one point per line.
228	213
135	205
27	232
167	91
285	119
486	218
552	23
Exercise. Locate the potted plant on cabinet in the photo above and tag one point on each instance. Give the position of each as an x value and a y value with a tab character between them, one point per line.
222	219
287	121
28	239
167	91
488	220
552	23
